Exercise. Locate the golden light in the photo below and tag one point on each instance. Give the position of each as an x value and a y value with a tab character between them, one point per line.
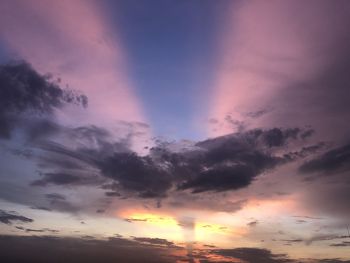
154	219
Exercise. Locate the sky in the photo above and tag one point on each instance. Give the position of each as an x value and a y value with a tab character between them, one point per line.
175	131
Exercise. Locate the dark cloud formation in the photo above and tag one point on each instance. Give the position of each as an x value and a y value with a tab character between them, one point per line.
233	161
42	230
253	255
50	249
329	174
10	217
225	163
118	249
24	93
56	178
136	173
342	244
335	160
59	202
253	223
333	260
154	241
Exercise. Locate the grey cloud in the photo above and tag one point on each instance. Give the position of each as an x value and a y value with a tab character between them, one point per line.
9	217
60	203
154	241
335	160
225	163
221	164
56	178
50	249
24	91
252	255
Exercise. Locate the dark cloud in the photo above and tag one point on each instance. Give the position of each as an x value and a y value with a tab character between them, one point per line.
257	114
28	230
9	217
137	249
328	173
232	162
56	178
136	173
130	220
24	93
253	223
333	260
221	179
154	241
225	163
342	244
50	249
278	137
59	202
252	255
112	194
335	160
55	196
324	237
296	240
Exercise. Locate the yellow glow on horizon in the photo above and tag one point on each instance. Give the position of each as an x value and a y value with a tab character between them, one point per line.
212	228
213	232
154	219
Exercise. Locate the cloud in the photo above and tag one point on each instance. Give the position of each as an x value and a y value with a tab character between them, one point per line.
328	173
232	162
253	223
154	241
59	202
9	217
254	255
136	173
46	248
335	160
56	178
87	56
26	94
342	244
220	164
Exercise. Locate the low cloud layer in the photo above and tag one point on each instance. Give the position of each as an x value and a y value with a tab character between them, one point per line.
138	249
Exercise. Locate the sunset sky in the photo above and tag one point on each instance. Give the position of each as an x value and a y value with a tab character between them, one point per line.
175	131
